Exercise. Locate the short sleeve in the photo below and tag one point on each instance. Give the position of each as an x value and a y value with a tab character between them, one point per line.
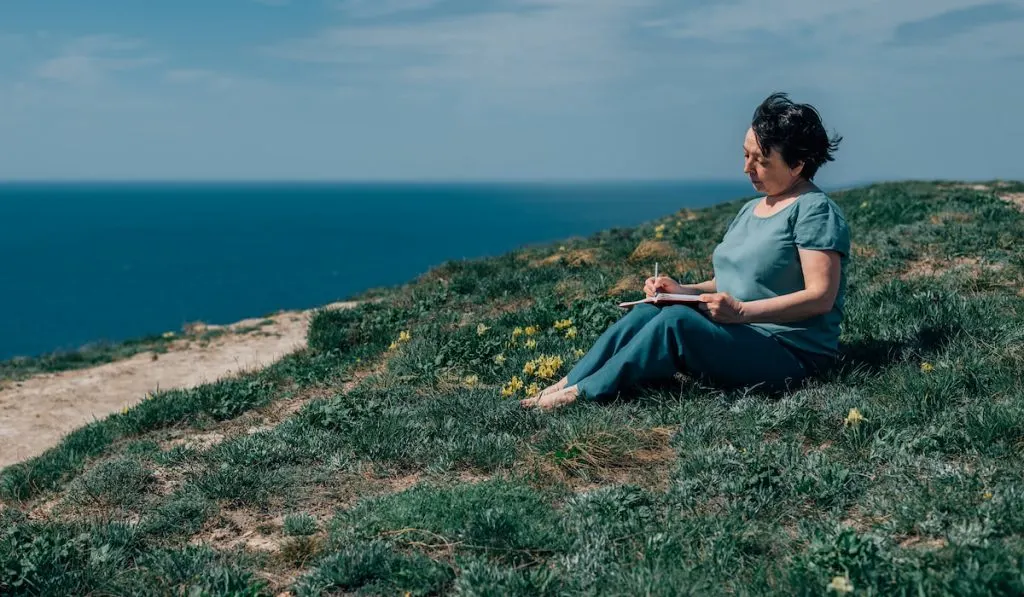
821	226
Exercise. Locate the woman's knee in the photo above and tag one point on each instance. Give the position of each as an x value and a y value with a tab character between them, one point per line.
638	316
680	315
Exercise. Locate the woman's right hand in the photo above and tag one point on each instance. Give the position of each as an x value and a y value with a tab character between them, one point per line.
662	284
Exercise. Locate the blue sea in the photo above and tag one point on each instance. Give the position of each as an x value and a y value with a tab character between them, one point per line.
85	263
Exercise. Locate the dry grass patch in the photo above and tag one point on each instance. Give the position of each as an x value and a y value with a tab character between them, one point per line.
923	543
651	249
626	284
950	216
930	267
570	258
863	251
571	289
249	529
599	460
1016	199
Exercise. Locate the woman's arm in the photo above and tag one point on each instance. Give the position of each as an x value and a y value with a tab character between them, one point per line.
666	284
821	270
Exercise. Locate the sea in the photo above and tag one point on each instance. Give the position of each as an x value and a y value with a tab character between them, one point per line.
82	264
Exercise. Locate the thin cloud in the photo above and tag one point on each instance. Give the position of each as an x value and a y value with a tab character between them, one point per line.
89	59
866	21
531	43
955	22
381	8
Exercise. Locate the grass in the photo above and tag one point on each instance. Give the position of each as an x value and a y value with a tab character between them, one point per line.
384	459
89	356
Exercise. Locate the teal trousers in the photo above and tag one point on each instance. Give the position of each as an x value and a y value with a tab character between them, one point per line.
649	344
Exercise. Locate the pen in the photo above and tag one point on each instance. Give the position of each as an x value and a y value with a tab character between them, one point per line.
655	276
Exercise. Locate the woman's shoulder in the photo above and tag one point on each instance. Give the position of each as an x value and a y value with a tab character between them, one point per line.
818	202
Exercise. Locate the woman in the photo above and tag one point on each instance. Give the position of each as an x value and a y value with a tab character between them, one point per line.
770	316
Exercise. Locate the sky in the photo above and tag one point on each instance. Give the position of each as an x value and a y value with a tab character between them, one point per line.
501	89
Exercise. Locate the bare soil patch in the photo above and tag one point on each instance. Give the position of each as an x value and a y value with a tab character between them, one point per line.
36	413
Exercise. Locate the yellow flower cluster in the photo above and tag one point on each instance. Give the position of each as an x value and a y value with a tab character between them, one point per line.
516	333
570	333
512	387
841	585
403	336
533	389
579	352
481	329
659	231
927	367
531	330
544	367
531	344
854	418
563	324
471	381
499	360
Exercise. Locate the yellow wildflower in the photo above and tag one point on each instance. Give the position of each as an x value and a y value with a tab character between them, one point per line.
570	333
987	495
659	228
124	410
513	386
533	389
517	332
565	323
865	204
393	346
544	367
561	248
659	235
841	584
579	352
499	360
481	329
168	335
854	417
404	336
531	344
471	381
927	367
531	330
679	224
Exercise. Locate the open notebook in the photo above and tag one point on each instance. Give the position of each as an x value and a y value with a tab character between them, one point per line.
664	299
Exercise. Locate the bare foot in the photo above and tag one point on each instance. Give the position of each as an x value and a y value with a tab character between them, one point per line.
554	400
558	385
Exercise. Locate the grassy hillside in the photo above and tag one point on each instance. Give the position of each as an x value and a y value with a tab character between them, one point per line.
385	459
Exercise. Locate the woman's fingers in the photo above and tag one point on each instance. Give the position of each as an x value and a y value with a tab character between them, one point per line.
529	402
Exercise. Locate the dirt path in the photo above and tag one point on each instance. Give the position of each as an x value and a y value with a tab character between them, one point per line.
36	413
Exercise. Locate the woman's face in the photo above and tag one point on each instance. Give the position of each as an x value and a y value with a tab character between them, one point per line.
769	175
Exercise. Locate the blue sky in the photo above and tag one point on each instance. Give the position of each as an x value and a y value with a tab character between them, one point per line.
500	89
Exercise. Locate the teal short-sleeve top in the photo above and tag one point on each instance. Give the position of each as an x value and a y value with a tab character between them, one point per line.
758	259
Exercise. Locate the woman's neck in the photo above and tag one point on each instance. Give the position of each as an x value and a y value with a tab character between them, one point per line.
794	190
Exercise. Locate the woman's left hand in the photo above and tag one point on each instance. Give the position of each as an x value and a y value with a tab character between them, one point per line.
722	308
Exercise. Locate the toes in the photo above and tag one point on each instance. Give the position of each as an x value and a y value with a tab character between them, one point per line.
529	402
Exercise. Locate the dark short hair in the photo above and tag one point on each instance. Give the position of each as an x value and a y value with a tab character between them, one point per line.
796	131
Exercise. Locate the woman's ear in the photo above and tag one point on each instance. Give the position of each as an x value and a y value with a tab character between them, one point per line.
798	169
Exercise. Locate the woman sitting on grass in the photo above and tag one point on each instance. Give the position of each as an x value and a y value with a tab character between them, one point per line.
770	316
